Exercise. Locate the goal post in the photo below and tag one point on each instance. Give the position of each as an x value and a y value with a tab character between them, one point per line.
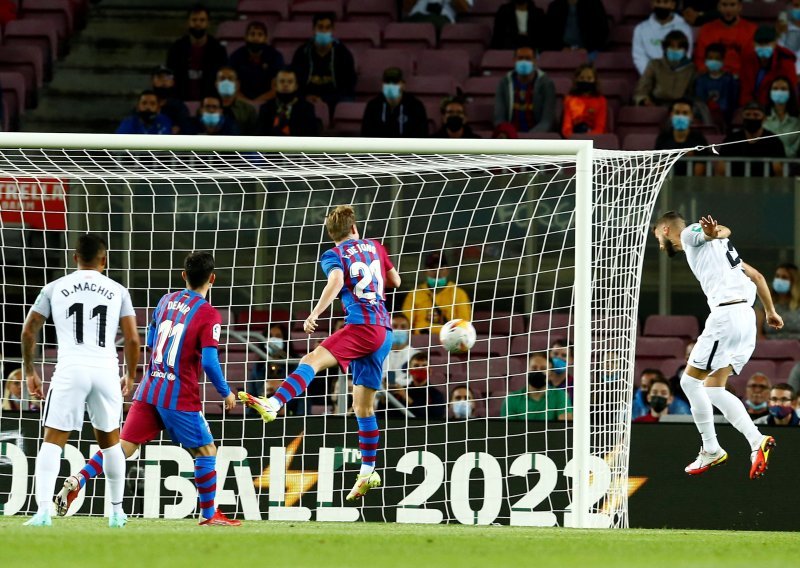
566	187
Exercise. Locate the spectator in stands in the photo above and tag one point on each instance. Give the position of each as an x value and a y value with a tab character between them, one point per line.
526	96
394	113
519	23
325	67
577	24
234	107
536	401
423	400
699	12
585	109
782	114
649	35
505	130
256	63
641	398
437	12
757	395
789	29
163	85
659	399
679	134
12	391
395	366
786	297
437	300
287	114
454	119
764	63
196	57
782	401
560	364
675	379
145	119
752	130
735	33
212	120
462	403
669	78
716	88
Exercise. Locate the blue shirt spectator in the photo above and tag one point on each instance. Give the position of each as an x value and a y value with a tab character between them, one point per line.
640	404
718	89
146	119
211	119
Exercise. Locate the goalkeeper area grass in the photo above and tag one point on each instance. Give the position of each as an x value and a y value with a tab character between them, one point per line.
153	543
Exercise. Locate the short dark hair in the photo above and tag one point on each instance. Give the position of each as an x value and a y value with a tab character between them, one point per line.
256	24
421	355
287	69
675	35
785	387
145	93
670	217
681	101
198	267
89	247
453	100
195	8
400	315
651	371
661	381
319	16
716	48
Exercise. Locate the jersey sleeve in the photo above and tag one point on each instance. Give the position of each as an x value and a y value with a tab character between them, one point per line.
126	308
330	261
385	260
211	328
42	303
693	236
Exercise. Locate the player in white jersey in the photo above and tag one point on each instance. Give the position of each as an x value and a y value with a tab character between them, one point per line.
729	336
87	307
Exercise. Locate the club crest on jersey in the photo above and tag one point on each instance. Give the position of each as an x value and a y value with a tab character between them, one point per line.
216	331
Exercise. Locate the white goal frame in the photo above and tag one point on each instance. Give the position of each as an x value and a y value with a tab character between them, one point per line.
581	149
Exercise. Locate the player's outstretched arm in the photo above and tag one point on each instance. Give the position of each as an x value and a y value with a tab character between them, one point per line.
713	230
132	350
332	289
762	288
30	335
213	370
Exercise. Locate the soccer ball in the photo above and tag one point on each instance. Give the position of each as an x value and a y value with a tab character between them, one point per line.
457	336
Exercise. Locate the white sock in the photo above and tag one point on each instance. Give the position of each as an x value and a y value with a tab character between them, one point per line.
366	469
274	403
702	412
114	468
48	464
734	411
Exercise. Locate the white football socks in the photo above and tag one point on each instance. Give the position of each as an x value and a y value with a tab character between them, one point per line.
734	411
48	464
114	468
366	469
274	404
702	412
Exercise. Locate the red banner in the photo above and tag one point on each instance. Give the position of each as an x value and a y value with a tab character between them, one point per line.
39	203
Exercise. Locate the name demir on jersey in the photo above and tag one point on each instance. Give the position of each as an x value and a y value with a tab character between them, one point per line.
360	247
180	306
88	287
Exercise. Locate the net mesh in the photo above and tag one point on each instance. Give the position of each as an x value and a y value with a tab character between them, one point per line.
504	224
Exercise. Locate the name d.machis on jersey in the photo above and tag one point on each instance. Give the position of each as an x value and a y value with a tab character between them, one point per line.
87	287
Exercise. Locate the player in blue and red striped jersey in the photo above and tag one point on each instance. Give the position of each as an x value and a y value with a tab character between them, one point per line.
358	268
183	338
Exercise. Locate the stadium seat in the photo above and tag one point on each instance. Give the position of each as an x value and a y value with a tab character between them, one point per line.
540	135
380	12
664	347
358	35
617	91
670	366
409	36
258	319
482	12
638	142
621	37
347	118
556	323
27	61
231	30
37	33
13	85
368	87
497	323
636	11
59	12
785	370
606	141
469	37
616	65
640	119
527	343
481	89
431	89
270	13
739	382
497	62
671	326
306	10
561	63
762	12
290	35
777	349
450	62
480	116
373	62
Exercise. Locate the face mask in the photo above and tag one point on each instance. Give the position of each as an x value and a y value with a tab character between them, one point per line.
794	13
559	365
211	119
757	407
436	282
523	67
461	409
781	285
454	123
162	92
764	51
274	345
714	65
323	38
675	55
680	122
419	374
537	379
780	411
285	97
584	86
253	47
12	396
146	115
658	403
779	97
662	13
226	88
752	125
400	336
391	91
197	34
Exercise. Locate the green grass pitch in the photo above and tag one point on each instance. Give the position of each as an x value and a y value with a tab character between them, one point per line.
153	543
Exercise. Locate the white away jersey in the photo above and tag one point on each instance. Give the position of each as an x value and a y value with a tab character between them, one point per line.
717	266
86	307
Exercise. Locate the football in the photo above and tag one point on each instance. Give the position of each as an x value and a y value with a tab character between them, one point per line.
457	336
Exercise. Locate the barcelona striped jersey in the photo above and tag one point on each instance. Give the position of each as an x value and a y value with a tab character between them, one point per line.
364	263
183	324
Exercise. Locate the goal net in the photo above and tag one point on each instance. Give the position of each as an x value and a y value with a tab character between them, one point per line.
534	238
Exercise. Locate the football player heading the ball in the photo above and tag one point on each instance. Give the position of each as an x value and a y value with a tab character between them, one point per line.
437	300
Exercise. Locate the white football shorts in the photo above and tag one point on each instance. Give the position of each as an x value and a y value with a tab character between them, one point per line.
76	388
729	338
